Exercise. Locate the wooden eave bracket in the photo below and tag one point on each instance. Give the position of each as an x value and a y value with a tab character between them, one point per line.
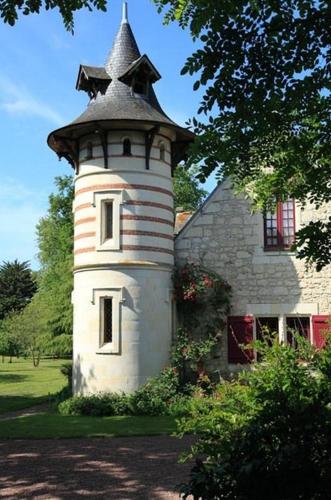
104	144
177	154
149	138
70	151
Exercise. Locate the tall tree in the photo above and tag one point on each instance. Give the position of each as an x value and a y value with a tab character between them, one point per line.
55	240
187	191
265	68
17	287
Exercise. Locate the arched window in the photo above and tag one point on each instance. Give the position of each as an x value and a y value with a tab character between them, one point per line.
127	147
162	151
89	151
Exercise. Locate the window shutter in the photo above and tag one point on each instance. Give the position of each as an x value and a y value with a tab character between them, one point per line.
240	331
320	328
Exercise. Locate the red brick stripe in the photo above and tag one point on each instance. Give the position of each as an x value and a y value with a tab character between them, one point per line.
84	235
144	187
147	218
150	204
84	221
84	250
147	249
82	206
130	232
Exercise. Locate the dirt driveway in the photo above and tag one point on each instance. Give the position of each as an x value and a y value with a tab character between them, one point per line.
118	468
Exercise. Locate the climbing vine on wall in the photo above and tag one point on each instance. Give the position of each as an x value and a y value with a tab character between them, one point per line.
203	301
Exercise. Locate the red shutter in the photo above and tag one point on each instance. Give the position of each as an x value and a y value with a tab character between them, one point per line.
240	331
321	326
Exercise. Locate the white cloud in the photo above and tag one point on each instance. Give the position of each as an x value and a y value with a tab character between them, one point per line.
18	100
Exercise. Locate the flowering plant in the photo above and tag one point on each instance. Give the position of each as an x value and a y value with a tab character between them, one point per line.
194	283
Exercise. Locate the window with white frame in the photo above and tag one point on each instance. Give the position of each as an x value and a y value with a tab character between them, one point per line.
107	302
108	205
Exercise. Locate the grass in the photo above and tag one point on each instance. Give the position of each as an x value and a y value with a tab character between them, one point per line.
59	426
22	385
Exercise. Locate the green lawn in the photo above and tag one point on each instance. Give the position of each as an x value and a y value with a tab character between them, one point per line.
58	426
22	385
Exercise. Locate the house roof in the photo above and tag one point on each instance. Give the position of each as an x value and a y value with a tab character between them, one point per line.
116	101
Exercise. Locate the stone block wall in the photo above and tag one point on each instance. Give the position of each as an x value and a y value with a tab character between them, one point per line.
225	236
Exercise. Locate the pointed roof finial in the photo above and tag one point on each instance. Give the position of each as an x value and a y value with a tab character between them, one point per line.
125	13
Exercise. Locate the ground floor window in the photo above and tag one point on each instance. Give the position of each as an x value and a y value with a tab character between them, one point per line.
298	325
243	330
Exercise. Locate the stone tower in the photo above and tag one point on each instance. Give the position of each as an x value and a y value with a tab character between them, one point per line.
123	149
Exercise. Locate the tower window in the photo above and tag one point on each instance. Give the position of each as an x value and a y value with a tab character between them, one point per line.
89	151
162	151
279	227
127	147
107	320
108	220
139	88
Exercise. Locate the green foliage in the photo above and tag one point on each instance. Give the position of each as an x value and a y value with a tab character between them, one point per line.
17	287
55	240
97	405
265	71
267	435
10	9
154	397
159	396
197	285
188	194
203	300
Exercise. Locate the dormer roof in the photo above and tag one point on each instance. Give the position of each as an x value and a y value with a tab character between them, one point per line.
142	67
92	79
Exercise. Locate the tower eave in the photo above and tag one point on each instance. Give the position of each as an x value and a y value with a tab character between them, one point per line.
64	141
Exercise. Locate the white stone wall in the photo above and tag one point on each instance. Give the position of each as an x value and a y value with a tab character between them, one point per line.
227	238
133	268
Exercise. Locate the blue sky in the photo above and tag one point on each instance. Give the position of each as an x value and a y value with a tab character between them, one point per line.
39	65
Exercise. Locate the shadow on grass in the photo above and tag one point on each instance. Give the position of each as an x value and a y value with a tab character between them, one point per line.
58	426
11	378
13	403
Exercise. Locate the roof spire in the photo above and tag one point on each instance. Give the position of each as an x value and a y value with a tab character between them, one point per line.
125	13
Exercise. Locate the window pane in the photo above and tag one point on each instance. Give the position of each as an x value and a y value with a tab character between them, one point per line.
299	325
108	221
266	329
126	147
108	321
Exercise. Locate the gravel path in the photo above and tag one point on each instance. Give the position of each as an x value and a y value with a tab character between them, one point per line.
115	468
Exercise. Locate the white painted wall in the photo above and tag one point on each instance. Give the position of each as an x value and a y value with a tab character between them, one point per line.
135	269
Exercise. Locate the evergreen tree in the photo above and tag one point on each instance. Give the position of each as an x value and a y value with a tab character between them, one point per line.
17	287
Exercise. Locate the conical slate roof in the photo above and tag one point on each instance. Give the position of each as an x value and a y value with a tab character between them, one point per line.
115	100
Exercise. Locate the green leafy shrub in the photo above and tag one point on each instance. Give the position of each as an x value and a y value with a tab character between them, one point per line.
154	397
159	396
267	435
97	405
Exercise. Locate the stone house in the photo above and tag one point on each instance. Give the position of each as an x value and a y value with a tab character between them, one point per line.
271	287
